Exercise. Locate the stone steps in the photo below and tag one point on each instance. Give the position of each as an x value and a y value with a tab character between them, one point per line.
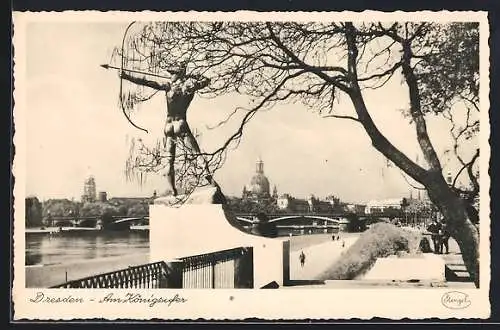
455	269
457	273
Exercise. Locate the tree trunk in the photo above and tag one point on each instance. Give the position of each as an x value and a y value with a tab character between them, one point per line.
461	228
453	208
451	205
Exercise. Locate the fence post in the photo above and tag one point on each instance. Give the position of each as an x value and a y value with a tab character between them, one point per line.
212	265
243	269
286	262
173	279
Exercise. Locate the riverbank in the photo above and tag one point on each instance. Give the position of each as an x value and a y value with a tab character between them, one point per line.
43	276
53	230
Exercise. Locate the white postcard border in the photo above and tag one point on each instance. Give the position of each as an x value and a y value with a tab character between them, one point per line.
239	304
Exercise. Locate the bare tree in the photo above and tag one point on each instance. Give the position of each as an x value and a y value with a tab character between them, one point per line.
317	63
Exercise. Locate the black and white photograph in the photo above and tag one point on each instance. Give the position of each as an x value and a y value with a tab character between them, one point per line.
164	159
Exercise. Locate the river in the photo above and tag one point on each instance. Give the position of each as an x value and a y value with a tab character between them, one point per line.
68	247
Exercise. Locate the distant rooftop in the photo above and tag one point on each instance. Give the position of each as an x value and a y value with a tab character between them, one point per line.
385	202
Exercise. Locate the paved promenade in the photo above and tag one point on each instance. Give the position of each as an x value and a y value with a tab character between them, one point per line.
318	257
323	253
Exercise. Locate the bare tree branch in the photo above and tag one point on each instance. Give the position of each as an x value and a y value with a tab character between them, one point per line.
304	66
341	117
415	110
389	71
466	166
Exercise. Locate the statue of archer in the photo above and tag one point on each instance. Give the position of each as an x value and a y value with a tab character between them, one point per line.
179	91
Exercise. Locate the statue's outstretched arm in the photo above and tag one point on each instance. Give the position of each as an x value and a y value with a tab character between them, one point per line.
148	82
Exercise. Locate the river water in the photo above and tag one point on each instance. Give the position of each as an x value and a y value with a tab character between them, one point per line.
69	247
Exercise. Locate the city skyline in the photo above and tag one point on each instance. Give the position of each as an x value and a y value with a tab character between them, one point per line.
75	128
85	194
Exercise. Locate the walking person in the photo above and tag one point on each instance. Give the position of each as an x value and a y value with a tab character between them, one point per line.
435	228
445	238
302	258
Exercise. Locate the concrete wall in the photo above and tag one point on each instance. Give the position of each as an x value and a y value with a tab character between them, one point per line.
193	229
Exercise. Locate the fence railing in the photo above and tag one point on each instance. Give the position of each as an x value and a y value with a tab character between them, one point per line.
148	276
222	269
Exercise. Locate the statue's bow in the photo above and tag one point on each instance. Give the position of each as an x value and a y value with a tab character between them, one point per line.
121	80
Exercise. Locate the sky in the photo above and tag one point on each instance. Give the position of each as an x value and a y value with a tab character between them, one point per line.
75	128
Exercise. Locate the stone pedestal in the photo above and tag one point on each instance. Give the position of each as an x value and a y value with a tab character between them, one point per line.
189	229
426	267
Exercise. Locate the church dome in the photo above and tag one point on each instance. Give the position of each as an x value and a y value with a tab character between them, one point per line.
259	184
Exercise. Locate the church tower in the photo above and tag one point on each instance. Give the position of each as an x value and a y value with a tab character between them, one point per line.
259	167
89	190
275	192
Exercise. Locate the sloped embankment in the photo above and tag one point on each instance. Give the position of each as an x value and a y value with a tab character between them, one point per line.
381	240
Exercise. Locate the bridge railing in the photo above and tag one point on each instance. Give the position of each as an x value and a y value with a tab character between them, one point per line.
222	269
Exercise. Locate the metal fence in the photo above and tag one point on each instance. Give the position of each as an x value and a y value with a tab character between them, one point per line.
222	269
153	275
217	269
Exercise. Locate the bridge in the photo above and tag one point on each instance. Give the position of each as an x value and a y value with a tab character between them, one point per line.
94	221
282	220
310	220
297	220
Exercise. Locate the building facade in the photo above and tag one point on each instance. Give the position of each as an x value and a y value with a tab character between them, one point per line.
103	197
310	205
382	206
359	209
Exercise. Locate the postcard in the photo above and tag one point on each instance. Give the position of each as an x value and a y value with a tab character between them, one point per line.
236	165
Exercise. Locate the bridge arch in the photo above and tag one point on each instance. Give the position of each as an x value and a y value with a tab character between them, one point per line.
244	219
333	219
123	220
63	223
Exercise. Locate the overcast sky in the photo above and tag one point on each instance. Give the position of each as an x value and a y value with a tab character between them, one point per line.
75	128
